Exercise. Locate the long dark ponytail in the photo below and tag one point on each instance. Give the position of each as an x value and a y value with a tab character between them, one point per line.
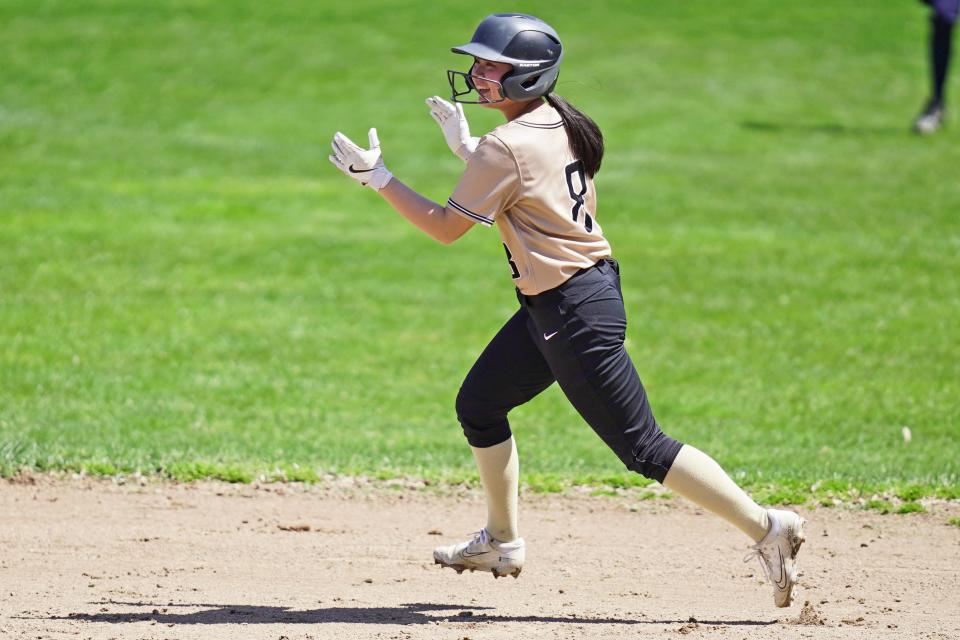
586	139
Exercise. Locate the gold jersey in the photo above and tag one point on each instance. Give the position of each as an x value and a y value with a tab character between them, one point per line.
523	178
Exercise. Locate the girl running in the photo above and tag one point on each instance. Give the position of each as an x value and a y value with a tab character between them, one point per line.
532	178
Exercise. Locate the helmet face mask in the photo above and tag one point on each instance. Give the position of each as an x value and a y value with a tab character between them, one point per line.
461	84
528	44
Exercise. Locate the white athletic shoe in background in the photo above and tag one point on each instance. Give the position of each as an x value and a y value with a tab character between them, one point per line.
777	553
930	119
483	553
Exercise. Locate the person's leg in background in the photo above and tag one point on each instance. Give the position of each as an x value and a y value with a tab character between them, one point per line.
942	19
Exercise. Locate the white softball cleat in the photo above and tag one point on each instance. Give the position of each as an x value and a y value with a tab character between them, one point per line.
777	553
483	553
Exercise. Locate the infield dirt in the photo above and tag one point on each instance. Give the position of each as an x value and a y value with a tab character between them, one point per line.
90	558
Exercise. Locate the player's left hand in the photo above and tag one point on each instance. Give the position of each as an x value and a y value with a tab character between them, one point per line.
363	165
454	125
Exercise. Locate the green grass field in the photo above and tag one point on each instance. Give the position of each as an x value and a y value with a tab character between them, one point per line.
189	288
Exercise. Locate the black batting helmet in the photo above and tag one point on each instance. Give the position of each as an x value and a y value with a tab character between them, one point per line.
526	42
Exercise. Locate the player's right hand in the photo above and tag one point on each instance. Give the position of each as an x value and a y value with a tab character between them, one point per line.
363	165
454	125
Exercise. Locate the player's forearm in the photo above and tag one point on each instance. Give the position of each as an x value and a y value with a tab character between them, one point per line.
366	167
426	214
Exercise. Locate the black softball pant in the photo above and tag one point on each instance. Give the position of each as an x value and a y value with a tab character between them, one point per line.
572	334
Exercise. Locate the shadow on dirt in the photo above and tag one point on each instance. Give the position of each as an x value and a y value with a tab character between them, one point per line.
413	613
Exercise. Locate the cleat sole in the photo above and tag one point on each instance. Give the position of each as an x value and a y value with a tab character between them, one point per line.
459	568
504	573
497	573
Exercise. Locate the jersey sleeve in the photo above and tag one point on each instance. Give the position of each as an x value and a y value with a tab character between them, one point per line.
490	184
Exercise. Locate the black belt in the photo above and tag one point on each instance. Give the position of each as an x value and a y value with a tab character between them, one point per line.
551	296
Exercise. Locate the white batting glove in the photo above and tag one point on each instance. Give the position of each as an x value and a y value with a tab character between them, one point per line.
454	125
363	165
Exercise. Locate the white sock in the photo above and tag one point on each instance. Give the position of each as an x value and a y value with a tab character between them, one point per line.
698	478
499	469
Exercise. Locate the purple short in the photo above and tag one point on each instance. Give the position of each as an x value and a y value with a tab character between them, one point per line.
946	9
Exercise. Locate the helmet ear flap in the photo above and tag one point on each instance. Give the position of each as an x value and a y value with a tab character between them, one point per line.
504	85
526	83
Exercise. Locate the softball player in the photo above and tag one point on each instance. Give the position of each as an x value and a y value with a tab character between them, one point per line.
532	178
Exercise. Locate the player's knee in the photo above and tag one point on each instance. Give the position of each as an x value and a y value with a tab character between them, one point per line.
484	425
473	408
467	406
655	455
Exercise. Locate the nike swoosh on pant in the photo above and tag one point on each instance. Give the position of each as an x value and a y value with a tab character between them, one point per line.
547	336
